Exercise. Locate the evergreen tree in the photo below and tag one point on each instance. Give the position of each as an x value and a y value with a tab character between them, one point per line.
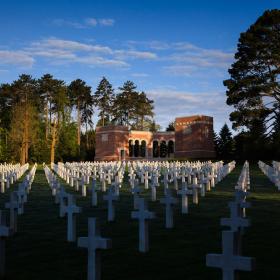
81	99
124	106
253	88
275	139
216	144
171	126
225	143
143	110
104	99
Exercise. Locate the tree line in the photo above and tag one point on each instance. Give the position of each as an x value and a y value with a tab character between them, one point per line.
46	120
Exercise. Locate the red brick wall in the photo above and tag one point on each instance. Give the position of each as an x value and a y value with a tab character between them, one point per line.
109	141
194	137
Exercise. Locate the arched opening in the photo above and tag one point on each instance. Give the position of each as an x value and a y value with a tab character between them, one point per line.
163	149
143	148
130	148
170	148
155	149
136	148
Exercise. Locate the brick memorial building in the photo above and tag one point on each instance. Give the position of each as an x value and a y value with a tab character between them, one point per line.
192	138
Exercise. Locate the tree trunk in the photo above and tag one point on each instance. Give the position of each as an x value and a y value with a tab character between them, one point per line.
53	143
26	134
86	137
103	121
22	154
47	120
79	125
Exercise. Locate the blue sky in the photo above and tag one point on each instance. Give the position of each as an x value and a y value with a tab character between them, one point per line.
178	52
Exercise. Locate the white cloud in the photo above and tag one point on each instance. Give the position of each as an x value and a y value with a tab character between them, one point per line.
68	23
140	75
106	22
69	45
91	22
135	54
17	58
189	59
171	103
100	61
85	23
59	51
180	70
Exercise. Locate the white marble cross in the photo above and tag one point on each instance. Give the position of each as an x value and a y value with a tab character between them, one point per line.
77	183
184	195
136	190
5	232
240	197
235	222
83	186
62	195
111	197
195	187
229	261
143	215
109	176
93	193
20	201
165	181
169	201
93	243
3	180
146	178
71	209
103	181
13	205
132	178
153	191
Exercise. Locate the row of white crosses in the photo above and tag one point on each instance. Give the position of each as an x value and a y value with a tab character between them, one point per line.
16	207
272	172
66	201
10	173
231	260
79	174
243	182
142	170
93	242
112	173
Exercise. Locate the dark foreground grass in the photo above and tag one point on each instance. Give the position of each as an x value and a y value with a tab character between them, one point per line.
40	250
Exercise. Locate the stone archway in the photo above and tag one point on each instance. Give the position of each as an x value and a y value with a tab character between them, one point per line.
163	149
136	148
130	148
170	148
143	148
155	149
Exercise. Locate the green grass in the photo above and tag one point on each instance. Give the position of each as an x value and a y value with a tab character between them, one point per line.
40	250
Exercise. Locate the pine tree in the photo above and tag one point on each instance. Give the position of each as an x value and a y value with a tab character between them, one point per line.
225	142
104	99
81	99
253	88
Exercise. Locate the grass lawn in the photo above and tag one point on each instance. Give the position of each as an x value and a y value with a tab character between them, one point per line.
40	251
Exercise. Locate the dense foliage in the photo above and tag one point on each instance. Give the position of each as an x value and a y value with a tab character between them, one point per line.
253	90
46	120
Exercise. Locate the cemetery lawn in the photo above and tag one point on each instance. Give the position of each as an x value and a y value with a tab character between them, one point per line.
40	251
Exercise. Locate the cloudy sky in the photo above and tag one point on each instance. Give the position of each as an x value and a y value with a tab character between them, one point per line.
178	52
